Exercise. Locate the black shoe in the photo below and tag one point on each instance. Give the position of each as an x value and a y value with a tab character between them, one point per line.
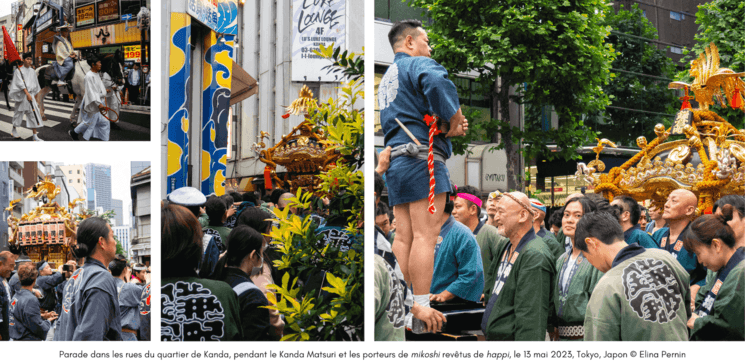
73	134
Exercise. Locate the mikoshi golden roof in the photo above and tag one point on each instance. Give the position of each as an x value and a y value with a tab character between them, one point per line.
708	160
303	152
47	212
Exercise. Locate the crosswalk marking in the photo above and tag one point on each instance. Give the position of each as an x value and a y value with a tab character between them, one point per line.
49	123
7	128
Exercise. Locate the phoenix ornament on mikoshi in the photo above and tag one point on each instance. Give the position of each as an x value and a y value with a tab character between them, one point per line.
701	152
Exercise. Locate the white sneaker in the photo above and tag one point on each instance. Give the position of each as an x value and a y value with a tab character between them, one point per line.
55	82
14	133
61	83
36	138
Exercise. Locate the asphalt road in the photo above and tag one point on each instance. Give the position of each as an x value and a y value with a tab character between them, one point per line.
133	125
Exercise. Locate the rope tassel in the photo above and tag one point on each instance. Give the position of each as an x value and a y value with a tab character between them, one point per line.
433	130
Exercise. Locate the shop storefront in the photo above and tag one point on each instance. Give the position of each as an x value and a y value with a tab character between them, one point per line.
105	26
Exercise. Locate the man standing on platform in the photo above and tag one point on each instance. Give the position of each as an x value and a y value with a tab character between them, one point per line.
518	284
413	87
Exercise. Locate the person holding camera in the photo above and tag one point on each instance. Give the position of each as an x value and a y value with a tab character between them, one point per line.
27	322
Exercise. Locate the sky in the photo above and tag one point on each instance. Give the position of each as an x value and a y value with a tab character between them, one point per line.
120	179
5	7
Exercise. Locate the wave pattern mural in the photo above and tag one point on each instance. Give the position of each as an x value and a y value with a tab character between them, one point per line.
179	102
218	65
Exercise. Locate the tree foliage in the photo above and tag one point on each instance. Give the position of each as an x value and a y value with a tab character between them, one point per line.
633	90
551	52
721	22
336	313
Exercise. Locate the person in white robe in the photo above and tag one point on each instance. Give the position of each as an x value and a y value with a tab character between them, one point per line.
112	96
22	89
92	123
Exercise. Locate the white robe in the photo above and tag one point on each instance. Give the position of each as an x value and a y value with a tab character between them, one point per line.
112	99
92	123
22	106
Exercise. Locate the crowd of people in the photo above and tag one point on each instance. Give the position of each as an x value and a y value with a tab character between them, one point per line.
594	274
217	250
99	296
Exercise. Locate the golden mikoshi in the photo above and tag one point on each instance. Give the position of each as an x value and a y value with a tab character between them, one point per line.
47	231
708	160
303	152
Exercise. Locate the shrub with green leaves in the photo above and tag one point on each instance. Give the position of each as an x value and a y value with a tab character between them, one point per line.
332	310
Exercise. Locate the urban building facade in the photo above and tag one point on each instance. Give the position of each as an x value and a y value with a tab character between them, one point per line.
140	189
98	178
230	81
122	234
6	193
116	205
675	21
17	183
76	178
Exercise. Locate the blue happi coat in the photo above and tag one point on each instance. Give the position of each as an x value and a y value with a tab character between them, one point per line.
411	88
90	307
458	266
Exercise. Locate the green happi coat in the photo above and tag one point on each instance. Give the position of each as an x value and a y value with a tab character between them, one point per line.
490	243
645	297
726	321
556	248
570	307
389	303
522	308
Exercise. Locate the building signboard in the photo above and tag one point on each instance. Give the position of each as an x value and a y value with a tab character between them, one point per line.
219	15
108	10
132	53
316	23
85	15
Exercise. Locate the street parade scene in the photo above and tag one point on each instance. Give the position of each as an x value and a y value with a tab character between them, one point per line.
75	70
75	253
262	202
556	171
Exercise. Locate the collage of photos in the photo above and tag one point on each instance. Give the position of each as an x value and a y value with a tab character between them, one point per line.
543	170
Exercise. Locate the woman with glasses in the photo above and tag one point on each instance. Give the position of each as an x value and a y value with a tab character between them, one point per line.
575	276
719	311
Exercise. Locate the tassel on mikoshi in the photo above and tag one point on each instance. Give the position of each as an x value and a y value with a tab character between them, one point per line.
736	99
267	178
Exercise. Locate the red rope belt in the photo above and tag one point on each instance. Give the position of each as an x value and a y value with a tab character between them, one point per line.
433	130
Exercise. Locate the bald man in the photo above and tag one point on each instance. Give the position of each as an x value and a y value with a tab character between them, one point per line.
284	200
680	210
519	280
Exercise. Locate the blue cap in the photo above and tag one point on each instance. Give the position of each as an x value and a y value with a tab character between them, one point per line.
187	196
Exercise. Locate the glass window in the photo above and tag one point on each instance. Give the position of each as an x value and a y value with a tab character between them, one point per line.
675	15
676	50
395	10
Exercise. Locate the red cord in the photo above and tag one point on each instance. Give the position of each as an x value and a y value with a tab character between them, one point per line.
433	130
